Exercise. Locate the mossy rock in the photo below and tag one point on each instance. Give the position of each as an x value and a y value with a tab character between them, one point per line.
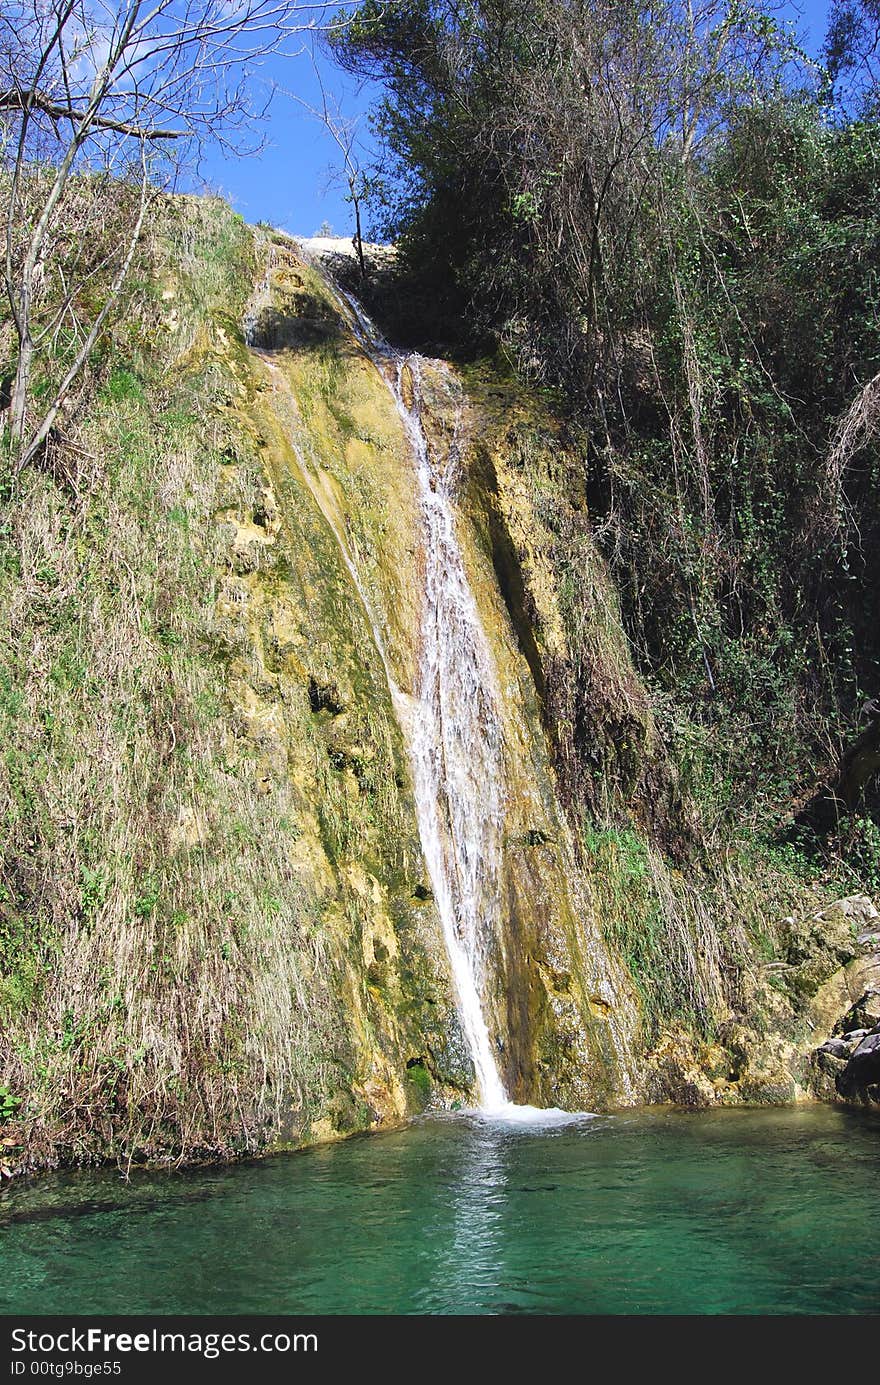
815	947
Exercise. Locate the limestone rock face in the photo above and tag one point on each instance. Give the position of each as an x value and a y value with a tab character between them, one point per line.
842	992
826	1067
342	476
744	1068
769	1054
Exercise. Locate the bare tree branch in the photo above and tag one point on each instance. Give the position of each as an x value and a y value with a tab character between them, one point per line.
90	91
30	100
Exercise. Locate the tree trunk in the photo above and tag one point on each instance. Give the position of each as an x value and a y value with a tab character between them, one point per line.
358	238
18	402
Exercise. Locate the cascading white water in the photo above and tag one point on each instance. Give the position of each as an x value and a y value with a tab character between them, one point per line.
453	726
454	730
456	748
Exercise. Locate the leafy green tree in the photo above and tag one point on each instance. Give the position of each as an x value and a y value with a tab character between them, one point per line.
852	51
649	209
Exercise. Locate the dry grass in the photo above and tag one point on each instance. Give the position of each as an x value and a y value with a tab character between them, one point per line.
176	948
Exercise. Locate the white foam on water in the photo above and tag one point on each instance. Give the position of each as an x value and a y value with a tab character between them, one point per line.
533	1117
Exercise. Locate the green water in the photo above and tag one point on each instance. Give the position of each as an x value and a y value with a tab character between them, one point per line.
718	1212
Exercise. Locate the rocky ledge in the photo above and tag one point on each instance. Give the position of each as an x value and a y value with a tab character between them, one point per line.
846	1067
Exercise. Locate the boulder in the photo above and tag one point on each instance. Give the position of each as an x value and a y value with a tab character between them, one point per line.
826	1068
865	1061
846	1005
859	908
860	1079
816	947
743	1067
841	993
864	1014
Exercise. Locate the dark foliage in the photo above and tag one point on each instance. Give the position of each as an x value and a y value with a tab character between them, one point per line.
654	212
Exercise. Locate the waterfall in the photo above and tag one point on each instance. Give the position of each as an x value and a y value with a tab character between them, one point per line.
456	747
453	725
456	739
454	731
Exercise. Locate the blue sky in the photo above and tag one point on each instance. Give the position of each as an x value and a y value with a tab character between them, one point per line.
294	182
291	183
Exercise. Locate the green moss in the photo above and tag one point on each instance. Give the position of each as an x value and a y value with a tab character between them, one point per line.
419	1080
